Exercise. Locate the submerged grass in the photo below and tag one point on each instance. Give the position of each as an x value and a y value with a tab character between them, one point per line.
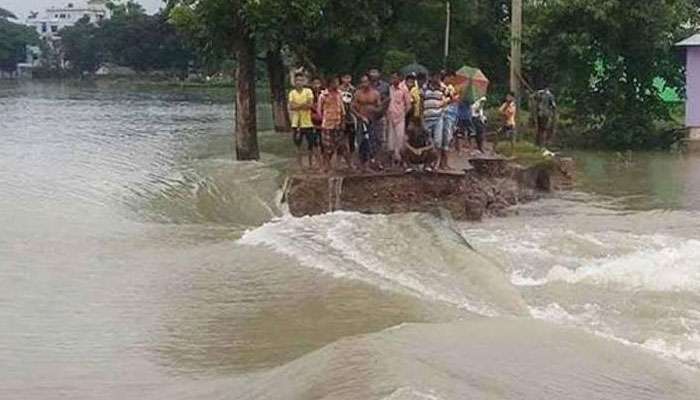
523	152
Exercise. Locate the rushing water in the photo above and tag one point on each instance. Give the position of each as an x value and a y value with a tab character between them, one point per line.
137	260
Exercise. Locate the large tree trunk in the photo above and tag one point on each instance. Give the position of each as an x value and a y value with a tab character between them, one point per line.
277	74
246	126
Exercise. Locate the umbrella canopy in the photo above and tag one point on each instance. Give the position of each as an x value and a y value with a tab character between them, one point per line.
471	83
414	68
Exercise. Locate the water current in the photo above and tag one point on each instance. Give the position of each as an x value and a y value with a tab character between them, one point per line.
138	260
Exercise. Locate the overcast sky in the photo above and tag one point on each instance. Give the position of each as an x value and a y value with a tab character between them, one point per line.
22	7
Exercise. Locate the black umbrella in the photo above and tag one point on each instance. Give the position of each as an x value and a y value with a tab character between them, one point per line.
414	68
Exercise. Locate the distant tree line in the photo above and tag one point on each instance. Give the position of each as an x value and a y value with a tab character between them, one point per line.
14	39
131	38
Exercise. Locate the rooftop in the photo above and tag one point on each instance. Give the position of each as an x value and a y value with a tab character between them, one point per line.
690	42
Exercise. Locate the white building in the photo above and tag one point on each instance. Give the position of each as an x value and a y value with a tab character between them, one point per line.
54	19
24	70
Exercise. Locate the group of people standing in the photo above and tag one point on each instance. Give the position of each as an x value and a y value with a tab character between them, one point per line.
410	122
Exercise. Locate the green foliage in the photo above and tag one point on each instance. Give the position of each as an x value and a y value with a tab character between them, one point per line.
131	38
6	14
213	26
13	41
601	57
524	152
351	36
605	65
80	46
208	25
394	60
143	42
121	9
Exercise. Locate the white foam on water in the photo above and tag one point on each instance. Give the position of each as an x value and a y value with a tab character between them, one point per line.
529	251
689	354
538	256
665	263
588	319
671	268
408	393
356	246
686	351
519	278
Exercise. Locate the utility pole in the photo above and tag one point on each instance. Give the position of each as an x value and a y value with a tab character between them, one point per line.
516	47
448	13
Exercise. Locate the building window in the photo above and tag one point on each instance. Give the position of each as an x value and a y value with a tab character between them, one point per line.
43	27
54	28
63	16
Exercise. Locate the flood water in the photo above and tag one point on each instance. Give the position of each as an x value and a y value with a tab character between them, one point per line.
137	260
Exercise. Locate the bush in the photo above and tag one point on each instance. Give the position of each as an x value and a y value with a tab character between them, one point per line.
394	60
606	69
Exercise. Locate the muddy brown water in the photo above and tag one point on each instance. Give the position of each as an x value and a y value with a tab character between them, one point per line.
138	261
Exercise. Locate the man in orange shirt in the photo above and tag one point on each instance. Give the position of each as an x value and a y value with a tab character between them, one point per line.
332	110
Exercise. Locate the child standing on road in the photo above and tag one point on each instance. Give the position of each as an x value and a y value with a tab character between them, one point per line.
509	111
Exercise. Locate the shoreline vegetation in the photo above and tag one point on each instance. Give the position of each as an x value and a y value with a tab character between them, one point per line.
609	85
569	134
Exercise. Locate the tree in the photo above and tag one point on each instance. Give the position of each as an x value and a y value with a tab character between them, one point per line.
277	75
605	64
389	28
225	27
281	27
353	36
6	14
143	42
130	38
394	60
14	39
80	47
237	28
125	8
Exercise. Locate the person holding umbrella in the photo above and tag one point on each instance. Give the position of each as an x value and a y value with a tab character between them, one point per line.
408	84
417	96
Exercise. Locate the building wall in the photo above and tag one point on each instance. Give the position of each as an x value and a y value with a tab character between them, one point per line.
692	114
54	19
